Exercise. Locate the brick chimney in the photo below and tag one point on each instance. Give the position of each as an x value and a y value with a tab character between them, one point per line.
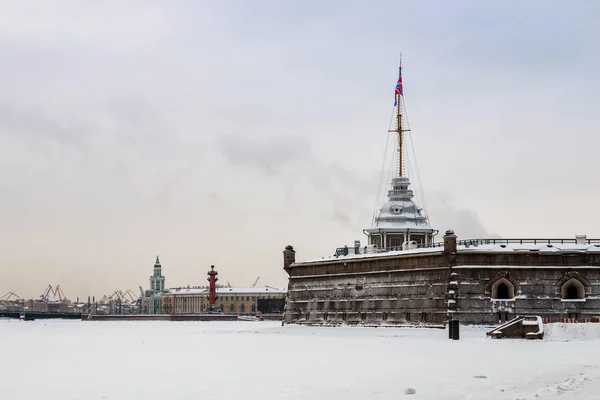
449	242
289	257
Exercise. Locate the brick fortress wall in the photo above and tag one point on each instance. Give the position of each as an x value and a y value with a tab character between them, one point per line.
430	288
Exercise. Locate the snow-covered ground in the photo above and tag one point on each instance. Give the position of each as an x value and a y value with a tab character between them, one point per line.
62	360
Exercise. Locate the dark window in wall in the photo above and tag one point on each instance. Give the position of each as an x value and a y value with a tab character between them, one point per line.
243	309
573	290
502	291
232	308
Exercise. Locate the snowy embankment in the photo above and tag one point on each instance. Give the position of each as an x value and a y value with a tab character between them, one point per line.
262	360
570	332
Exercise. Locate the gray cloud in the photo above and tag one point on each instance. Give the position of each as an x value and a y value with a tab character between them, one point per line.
34	124
444	214
269	155
291	159
345	192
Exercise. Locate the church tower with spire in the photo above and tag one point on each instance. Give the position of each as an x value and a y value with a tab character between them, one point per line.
157	280
400	220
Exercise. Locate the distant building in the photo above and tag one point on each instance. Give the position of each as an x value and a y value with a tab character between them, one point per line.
264	300
35	305
195	300
184	301
11	307
151	303
239	301
157	280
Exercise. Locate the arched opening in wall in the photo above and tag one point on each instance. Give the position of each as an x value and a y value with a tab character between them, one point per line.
243	309
232	308
573	290
503	289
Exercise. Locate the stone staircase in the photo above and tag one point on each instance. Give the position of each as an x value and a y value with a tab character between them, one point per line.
520	327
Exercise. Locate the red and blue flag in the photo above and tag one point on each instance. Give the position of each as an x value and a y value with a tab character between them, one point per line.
399	90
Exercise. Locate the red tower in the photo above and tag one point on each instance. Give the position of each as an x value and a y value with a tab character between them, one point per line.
212	288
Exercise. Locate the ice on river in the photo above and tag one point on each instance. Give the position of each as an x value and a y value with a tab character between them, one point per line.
62	360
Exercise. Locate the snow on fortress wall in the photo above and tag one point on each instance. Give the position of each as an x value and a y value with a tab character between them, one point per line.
483	284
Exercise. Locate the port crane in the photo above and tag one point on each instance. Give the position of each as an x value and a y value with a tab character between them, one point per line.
120	302
55	292
8	296
255	282
130	296
126	296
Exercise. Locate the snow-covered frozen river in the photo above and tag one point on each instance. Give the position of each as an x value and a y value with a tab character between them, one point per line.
62	360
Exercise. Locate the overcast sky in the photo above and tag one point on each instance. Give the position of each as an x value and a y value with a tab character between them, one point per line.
212	132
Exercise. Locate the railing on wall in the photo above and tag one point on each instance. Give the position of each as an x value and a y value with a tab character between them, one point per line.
476	242
480	242
344	251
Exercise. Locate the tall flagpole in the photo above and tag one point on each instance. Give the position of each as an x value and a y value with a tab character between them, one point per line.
399	92
399	128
